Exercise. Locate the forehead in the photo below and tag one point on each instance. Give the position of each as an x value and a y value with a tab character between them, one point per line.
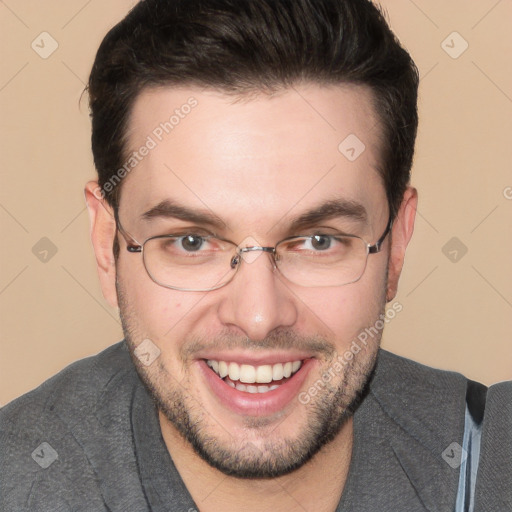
258	158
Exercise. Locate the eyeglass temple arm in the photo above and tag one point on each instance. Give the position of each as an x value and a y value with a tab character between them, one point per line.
131	244
372	249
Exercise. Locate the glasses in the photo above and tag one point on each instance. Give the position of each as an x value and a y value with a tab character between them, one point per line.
201	263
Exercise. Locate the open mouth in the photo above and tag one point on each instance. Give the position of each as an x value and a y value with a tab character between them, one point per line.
253	388
255	379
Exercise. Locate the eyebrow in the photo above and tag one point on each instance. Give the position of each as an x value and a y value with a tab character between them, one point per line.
170	209
332	209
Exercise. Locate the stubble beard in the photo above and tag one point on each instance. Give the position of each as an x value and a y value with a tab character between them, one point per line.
273	456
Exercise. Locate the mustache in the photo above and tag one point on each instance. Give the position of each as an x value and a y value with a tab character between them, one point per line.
282	340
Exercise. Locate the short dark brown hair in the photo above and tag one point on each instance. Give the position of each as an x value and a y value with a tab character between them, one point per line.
246	46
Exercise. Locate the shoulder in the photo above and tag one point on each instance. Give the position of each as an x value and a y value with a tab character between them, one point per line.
414	417
404	382
389	364
409	423
46	435
426	403
70	393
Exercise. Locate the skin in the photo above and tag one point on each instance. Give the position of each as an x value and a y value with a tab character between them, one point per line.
256	164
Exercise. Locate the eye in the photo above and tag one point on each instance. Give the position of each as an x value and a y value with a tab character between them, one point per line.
327	245
321	242
191	243
318	243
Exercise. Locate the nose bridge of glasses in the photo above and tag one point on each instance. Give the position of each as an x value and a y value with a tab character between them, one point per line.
250	253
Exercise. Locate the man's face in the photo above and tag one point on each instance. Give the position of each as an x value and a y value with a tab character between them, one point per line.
254	167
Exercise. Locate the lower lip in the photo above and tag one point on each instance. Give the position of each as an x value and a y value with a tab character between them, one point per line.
256	404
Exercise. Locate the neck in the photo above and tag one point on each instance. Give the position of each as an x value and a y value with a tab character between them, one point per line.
307	488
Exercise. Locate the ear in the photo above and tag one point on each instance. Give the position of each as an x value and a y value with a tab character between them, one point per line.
103	232
403	228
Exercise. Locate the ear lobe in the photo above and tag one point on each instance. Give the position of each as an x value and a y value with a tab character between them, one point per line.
103	231
403	227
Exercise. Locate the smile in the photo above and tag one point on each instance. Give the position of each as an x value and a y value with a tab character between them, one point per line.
256	389
254	379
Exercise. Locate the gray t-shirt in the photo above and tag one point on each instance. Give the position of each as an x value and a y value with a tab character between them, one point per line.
89	440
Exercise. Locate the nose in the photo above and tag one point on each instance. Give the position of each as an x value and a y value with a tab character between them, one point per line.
257	301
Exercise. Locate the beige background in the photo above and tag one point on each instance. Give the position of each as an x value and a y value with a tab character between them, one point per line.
456	315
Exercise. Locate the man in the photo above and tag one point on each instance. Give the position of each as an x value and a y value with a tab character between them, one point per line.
250	221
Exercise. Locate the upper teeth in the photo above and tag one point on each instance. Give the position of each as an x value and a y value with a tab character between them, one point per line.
251	374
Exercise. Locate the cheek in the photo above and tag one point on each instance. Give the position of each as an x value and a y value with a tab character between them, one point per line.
342	313
153	311
164	312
